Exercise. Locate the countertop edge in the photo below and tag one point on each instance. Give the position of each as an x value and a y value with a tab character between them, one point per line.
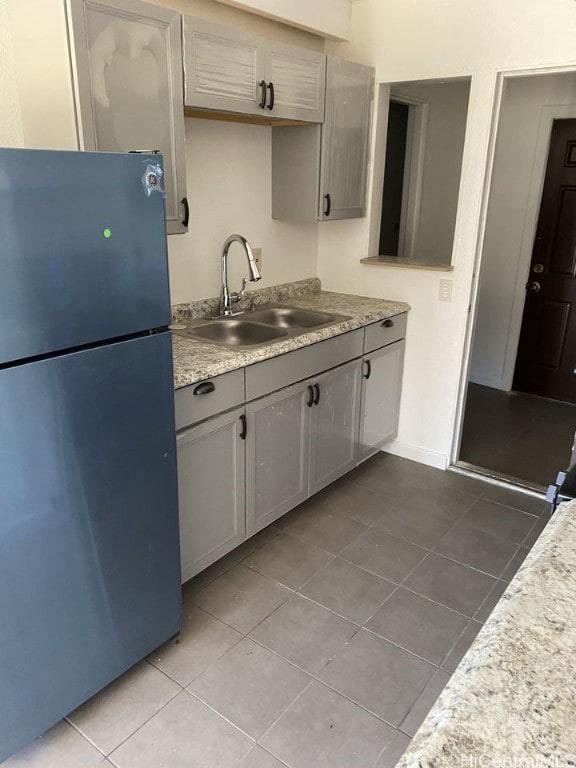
511	697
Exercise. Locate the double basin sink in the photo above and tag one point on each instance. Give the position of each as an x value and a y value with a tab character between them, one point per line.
264	325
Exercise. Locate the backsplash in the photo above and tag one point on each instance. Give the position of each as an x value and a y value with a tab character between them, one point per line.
193	310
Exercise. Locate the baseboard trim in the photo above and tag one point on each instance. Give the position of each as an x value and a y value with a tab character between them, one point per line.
489	382
415	453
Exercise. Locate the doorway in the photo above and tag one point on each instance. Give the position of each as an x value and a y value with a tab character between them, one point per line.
519	416
547	348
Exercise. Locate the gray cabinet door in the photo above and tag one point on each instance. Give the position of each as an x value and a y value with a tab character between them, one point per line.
334	424
298	78
230	70
211	468
276	455
381	387
222	67
321	172
345	139
127	57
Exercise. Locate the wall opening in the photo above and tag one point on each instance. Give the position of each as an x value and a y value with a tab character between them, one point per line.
420	133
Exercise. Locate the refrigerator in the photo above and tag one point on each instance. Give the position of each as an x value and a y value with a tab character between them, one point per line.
89	550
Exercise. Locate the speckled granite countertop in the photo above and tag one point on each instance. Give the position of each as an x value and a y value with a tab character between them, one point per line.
511	702
196	360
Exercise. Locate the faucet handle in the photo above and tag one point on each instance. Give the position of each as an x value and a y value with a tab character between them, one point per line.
235	296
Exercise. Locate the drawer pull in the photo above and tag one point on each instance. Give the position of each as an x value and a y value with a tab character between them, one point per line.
262	102
270	87
310	402
244	430
317	398
388	323
204	389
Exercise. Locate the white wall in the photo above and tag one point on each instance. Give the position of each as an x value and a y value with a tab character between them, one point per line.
216	11
228	165
436	39
42	73
330	18
229	190
10	118
509	228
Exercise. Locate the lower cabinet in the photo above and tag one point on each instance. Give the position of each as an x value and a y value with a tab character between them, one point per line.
211	480
380	406
334	424
299	440
276	455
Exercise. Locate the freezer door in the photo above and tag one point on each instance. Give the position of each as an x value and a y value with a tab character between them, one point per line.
89	550
83	251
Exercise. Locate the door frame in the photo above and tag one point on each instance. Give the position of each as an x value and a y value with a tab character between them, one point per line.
535	193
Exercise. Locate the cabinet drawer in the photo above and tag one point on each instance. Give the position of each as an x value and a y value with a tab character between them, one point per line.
206	398
281	371
384	332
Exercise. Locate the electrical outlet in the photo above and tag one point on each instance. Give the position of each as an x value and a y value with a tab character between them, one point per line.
257	253
445	290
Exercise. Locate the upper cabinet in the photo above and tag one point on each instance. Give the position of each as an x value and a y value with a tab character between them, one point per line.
231	71
127	59
346	140
295	81
322	172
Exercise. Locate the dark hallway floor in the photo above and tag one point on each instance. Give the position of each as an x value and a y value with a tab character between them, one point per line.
517	435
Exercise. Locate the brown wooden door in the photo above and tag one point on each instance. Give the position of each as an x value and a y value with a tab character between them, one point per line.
547	349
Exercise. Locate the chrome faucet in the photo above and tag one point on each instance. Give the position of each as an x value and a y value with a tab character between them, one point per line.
227	297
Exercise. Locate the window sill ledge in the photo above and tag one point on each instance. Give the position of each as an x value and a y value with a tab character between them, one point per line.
392	261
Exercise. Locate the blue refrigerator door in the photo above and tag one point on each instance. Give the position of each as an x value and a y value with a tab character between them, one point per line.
89	551
83	253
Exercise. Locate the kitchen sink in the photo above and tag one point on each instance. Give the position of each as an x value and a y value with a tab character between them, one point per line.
234	332
265	325
290	317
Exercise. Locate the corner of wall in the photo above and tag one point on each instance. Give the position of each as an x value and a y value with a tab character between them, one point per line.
11	133
42	73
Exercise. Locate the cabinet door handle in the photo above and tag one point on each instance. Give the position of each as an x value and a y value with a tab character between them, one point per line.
204	389
310	402
186	218
368	369
328	207
388	323
271	102
317	389
262	102
244	430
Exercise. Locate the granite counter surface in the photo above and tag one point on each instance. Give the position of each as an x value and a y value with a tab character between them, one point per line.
195	360
512	701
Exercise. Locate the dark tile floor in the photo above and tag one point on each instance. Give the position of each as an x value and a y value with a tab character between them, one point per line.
517	435
324	640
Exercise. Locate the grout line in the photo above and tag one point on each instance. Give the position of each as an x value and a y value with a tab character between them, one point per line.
513	509
212	661
267	751
302	692
82	734
107	754
403	648
315	676
222	716
444	660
